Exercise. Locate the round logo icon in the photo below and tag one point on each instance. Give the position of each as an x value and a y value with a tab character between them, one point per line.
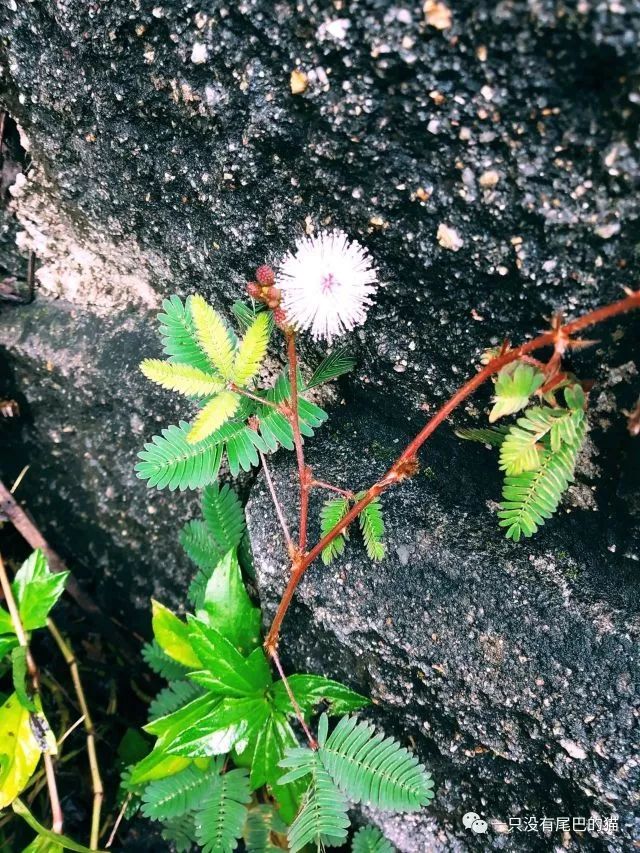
474	822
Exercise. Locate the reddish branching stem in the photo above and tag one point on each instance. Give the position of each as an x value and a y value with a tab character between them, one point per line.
558	338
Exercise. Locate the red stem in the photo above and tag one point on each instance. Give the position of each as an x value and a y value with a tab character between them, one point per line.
401	467
303	472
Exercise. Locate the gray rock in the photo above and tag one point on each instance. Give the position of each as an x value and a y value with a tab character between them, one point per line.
166	152
512	669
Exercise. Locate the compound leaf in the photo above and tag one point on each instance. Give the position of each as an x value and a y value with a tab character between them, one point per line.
213	336
372	528
221	816
212	416
252	350
368	839
171	460
334	365
187	380
332	513
178	333
514	386
178	794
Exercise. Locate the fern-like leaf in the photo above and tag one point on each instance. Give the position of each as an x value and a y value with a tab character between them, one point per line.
183	378
522	448
221	816
334	365
372	528
171	460
323	817
213	415
180	832
332	512
252	350
514	386
533	496
174	696
213	336
198	542
178	333
491	435
161	663
224	516
178	794
375	770
368	839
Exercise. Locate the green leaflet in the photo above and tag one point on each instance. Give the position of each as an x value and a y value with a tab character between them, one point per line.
19	675
36	590
224	516
514	386
168	460
522	448
368	839
493	436
372	528
332	513
226	606
178	794
221	816
161	663
173	636
181	832
178	333
311	690
334	365
375	770
533	496
323	817
225	671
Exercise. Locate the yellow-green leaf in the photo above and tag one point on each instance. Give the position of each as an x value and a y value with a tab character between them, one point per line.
213	336
252	350
514	386
212	416
19	750
157	765
181	377
173	636
62	840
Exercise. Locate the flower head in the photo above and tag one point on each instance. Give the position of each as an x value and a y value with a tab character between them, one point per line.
327	284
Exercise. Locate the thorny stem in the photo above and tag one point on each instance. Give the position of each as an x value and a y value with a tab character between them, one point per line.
277	505
304	473
56	810
96	780
558	338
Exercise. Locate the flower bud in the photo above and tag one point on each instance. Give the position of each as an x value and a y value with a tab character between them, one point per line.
265	275
254	290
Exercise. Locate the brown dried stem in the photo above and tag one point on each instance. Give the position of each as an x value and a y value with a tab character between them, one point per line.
96	780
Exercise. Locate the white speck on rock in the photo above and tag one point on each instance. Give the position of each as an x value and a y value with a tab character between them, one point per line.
336	29
449	238
573	749
199	53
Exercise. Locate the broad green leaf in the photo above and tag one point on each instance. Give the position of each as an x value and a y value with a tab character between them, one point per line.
157	765
213	415
19	750
226	672
6	625
67	843
167	727
182	378
227	606
226	726
19	675
252	350
311	690
7	644
36	590
514	386
213	336
173	636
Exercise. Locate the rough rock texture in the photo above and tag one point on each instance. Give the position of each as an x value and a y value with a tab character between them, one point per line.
492	169
513	669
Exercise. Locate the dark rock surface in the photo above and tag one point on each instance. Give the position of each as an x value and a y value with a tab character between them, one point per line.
166	153
512	668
